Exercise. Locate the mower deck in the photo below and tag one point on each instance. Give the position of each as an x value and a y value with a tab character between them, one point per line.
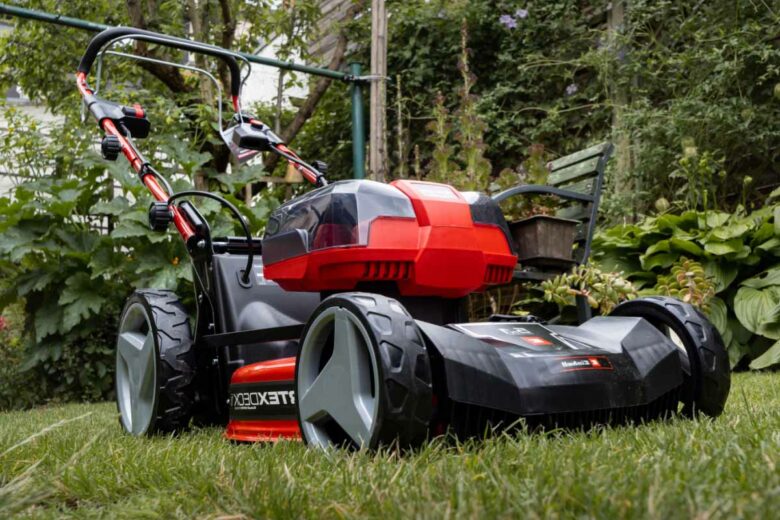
541	372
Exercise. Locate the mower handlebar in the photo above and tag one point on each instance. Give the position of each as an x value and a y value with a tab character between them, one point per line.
109	35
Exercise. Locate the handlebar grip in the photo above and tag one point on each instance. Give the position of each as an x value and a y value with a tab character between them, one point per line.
108	35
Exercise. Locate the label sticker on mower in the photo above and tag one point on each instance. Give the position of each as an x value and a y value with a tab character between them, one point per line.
529	337
272	400
574	363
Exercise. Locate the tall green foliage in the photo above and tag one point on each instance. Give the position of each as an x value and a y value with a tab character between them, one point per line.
695	85
702	107
74	228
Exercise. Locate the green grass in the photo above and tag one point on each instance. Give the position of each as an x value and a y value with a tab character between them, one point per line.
73	461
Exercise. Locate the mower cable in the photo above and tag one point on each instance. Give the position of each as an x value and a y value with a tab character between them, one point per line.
193	193
147	169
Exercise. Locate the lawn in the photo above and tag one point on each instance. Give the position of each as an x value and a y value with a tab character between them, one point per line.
73	461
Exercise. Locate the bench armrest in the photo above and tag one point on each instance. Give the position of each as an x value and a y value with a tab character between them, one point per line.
540	189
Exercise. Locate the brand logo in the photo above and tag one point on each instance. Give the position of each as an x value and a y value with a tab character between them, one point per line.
515	331
250	400
586	363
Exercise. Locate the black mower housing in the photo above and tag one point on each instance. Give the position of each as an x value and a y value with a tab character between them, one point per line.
604	364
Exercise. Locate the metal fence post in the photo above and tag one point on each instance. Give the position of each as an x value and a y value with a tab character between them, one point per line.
358	130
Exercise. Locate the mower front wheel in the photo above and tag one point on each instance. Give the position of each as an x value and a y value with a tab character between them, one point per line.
706	372
363	376
155	364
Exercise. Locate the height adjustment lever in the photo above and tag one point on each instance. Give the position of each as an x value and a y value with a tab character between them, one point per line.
110	147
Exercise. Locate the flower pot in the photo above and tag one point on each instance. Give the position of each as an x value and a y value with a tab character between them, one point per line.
545	241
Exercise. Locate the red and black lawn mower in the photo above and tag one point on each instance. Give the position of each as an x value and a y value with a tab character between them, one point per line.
346	323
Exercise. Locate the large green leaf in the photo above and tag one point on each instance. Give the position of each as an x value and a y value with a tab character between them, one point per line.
737	352
660	246
722	273
47	319
753	306
771	246
730	247
736	230
662	260
764	232
617	262
81	299
776	218
718	315
739	332
35	280
768	359
115	207
686	246
770	326
129	228
765	279
714	219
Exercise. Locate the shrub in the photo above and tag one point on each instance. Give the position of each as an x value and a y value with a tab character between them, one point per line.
739	252
17	388
76	230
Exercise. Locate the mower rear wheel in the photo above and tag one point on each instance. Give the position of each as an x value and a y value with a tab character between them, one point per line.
155	364
706	372
363	377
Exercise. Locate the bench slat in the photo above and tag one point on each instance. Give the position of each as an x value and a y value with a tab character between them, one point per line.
574	212
576	157
589	166
585	186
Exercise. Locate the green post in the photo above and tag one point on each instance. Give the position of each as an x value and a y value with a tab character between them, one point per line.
358	131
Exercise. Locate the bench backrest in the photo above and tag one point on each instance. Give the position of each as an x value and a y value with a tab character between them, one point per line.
582	172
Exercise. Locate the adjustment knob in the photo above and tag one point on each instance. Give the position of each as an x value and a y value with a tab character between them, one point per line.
160	215
110	147
321	166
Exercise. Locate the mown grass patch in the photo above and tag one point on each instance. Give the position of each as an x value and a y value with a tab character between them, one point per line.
73	461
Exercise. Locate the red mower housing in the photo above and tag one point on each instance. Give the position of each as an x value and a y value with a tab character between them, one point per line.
428	238
265	384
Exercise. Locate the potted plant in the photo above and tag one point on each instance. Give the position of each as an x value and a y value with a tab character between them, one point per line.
542	239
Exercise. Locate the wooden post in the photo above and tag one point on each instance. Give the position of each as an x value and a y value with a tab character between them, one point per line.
623	183
377	123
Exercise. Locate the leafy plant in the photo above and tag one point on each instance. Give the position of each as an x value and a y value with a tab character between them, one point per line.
464	167
559	76
602	290
688	282
533	170
75	227
740	255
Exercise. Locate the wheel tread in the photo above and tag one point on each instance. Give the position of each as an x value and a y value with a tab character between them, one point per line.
178	364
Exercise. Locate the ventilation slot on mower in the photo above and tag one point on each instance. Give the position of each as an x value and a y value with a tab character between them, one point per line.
387	270
497	274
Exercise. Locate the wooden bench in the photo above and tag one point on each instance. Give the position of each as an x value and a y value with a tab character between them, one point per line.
576	179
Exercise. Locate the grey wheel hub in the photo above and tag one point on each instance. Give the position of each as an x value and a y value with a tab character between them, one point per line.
136	370
342	388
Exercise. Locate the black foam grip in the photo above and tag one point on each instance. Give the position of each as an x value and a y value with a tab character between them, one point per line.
169	41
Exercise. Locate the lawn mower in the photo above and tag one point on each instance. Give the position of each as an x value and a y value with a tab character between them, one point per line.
346	324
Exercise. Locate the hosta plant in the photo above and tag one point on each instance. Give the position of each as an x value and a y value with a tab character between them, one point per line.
740	254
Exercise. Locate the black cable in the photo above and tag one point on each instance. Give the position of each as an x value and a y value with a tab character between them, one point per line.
251	257
150	170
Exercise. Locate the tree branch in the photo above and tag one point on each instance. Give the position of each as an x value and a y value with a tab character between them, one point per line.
312	100
169	76
228	35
